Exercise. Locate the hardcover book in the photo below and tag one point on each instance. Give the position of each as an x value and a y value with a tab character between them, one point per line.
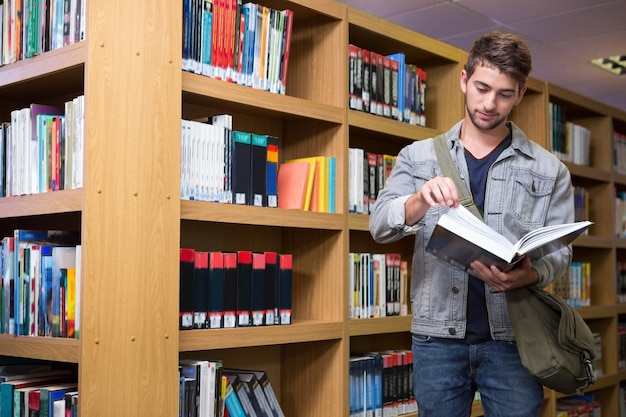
461	238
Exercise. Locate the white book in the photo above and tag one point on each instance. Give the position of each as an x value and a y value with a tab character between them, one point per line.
460	238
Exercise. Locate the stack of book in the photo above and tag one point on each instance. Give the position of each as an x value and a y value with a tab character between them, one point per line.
368	174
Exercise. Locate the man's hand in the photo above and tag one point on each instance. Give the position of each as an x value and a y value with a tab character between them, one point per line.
438	191
522	275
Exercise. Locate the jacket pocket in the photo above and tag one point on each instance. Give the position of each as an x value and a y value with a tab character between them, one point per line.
530	197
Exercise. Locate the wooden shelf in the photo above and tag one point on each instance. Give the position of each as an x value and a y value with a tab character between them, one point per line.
63	201
44	348
232	213
383	325
297	332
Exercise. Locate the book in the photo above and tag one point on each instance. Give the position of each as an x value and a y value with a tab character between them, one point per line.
285	271
244	287
257	290
187	258
241	172
49	394
271	288
258	171
293	185
216	290
200	290
271	172
230	290
460	238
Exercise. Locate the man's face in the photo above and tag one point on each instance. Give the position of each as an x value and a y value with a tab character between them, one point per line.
490	95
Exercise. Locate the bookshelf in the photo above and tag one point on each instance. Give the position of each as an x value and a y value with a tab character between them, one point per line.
133	223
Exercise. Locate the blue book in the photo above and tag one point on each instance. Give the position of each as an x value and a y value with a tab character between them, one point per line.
271	173
207	38
332	169
23	239
400	58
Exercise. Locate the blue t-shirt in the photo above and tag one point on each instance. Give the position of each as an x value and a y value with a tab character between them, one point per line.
477	318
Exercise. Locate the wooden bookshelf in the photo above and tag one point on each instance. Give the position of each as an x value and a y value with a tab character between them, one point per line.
133	222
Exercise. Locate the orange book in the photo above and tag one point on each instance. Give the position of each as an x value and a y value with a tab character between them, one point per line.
293	184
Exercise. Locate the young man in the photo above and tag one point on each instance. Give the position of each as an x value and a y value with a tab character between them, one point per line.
462	336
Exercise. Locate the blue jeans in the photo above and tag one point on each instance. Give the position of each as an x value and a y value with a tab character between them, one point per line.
447	372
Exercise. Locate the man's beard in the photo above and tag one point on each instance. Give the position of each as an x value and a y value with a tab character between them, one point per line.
481	124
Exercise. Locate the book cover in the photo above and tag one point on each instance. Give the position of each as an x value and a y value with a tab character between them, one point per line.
187	260
200	290
257	296
293	185
244	287
285	270
460	238
230	289
216	290
271	171
241	172
400	83
258	170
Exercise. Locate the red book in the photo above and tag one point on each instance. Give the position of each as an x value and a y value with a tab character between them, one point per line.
288	16
257	290
293	180
187	261
244	287
201	290
285	269
271	288
216	290
230	290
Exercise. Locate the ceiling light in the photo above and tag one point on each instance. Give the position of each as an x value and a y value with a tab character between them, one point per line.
615	64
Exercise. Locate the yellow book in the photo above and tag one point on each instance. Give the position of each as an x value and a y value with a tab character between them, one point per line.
319	189
311	199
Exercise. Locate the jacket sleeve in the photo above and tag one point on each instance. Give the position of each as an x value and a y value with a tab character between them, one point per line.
387	220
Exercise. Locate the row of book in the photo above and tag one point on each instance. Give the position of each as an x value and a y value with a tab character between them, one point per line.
575	285
368	173
569	141
584	405
208	389
41	278
381	383
223	165
31	27
378	285
234	289
619	152
37	390
247	43
41	149
620	214
386	85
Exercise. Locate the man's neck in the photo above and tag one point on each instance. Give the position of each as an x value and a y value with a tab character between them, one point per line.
481	142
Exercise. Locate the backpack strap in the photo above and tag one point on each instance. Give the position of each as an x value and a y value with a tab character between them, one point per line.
449	170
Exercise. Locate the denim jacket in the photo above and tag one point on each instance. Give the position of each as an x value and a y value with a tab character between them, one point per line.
527	187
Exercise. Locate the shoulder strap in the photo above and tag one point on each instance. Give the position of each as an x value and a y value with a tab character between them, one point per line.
449	170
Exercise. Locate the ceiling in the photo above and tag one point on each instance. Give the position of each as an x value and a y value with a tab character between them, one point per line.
563	35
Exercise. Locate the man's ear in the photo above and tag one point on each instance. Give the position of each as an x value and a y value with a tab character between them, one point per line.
522	91
463	81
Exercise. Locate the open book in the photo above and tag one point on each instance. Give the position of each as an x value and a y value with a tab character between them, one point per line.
460	238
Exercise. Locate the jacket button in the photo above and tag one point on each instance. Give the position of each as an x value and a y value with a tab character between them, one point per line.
455	289
452	331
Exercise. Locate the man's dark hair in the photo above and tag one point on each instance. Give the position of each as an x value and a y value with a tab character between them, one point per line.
506	52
